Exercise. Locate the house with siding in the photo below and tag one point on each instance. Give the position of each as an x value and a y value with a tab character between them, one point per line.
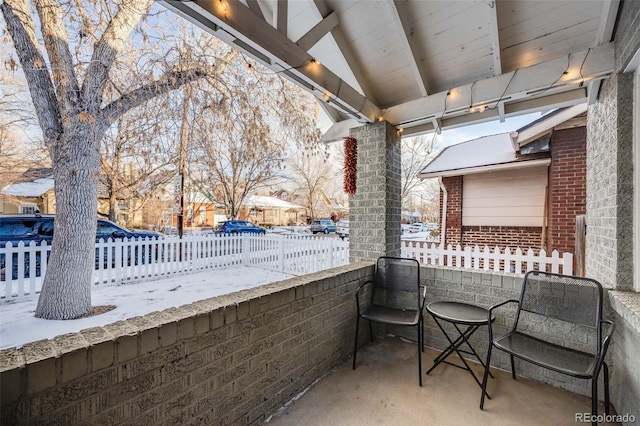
33	191
518	189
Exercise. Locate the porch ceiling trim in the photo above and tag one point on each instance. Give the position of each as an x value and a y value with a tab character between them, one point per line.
489	168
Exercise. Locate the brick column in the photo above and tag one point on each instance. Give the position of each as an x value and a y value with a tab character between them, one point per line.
374	212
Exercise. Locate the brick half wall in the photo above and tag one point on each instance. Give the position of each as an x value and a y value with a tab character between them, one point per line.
233	359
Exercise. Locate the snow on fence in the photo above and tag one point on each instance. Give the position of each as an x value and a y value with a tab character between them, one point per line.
147	259
509	260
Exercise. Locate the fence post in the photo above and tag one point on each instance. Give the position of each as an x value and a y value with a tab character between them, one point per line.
281	253
567	263
244	238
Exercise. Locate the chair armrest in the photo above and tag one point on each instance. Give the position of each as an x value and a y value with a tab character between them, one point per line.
607	336
424	296
360	287
490	327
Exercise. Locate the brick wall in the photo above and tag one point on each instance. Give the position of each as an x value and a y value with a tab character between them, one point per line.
229	360
567	187
234	359
454	209
625	389
610	164
524	237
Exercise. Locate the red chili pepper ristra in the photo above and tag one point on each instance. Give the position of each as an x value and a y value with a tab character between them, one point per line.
350	165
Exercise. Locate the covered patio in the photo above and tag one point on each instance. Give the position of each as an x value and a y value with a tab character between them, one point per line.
384	390
381	70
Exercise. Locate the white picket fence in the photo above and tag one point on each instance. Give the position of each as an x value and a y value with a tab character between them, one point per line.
487	259
146	259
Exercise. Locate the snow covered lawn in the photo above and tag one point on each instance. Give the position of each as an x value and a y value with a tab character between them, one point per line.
18	326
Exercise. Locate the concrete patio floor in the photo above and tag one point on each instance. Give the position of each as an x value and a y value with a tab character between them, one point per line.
384	390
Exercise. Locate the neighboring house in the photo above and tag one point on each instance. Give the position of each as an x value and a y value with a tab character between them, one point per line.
34	191
519	189
269	210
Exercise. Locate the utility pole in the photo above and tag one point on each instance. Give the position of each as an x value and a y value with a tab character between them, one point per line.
184	139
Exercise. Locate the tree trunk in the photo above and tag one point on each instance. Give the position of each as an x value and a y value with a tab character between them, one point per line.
113	201
66	290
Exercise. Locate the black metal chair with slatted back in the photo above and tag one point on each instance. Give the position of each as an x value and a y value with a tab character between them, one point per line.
568	299
395	299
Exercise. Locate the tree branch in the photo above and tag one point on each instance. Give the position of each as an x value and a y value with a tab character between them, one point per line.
106	49
55	42
22	30
168	82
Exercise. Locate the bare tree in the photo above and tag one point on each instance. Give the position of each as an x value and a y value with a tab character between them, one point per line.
310	174
416	154
76	101
139	154
247	121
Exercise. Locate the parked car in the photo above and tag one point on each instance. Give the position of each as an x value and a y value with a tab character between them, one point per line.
27	227
234	227
324	225
342	228
422	227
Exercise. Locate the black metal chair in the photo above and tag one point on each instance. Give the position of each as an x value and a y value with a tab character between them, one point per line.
395	299
569	299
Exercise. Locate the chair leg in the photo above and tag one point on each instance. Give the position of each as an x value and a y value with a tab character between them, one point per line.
370	331
355	345
594	400
485	379
422	333
607	408
513	368
419	353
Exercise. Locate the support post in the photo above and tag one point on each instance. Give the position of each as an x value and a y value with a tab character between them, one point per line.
374	210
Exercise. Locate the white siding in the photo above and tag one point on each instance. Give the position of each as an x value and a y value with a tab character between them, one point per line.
504	198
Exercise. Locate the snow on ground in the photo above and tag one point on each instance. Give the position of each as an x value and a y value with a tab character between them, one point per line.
420	237
18	326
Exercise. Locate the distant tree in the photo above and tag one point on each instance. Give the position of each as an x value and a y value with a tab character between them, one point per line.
416	153
76	101
248	121
139	155
311	173
19	150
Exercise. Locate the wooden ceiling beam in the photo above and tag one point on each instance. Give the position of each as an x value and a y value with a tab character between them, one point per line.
236	24
495	36
350	58
401	18
255	7
281	16
315	34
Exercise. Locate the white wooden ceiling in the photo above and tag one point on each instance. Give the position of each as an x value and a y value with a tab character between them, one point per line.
423	65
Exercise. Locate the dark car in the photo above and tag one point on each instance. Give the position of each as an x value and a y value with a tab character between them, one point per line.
38	228
234	227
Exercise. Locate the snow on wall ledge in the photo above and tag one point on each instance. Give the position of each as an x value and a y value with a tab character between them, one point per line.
233	359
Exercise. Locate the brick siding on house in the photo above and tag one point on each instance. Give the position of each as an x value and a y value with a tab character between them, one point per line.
454	209
567	199
524	237
567	187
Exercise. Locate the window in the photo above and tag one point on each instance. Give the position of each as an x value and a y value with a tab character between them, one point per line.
203	214
107	230
29	208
